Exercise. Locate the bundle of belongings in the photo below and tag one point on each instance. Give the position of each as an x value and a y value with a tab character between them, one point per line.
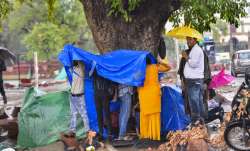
215	110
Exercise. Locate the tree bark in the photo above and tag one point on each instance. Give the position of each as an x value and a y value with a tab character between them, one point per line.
142	33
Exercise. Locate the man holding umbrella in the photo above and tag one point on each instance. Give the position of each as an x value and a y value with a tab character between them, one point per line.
2	68
196	72
194	79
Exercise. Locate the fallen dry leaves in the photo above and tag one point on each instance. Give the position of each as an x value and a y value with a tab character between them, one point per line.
181	138
217	141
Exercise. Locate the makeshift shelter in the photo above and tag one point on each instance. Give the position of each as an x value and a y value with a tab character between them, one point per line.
36	125
121	66
125	67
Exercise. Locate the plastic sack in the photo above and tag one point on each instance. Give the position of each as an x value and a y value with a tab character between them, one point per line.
42	118
173	115
220	79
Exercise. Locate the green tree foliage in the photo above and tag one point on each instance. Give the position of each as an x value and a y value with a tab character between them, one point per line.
26	15
219	29
123	8
67	19
65	12
197	13
202	13
5	8
48	39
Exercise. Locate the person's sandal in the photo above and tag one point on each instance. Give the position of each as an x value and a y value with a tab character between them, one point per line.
127	138
119	139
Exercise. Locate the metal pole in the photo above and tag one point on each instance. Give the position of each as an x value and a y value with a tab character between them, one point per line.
18	67
36	69
231	51
177	61
177	54
248	40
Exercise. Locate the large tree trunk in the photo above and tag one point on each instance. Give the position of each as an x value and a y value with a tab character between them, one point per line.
142	33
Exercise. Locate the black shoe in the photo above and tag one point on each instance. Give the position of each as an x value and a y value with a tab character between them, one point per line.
109	140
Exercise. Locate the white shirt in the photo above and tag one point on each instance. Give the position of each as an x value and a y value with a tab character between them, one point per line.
194	67
78	79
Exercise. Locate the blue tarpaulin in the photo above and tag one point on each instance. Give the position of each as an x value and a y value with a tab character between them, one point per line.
125	67
173	115
121	66
90	103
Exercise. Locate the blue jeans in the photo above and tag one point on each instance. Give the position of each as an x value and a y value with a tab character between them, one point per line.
78	105
195	92
124	113
137	119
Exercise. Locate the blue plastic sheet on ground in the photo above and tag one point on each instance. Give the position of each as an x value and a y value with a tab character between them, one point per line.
173	115
121	66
